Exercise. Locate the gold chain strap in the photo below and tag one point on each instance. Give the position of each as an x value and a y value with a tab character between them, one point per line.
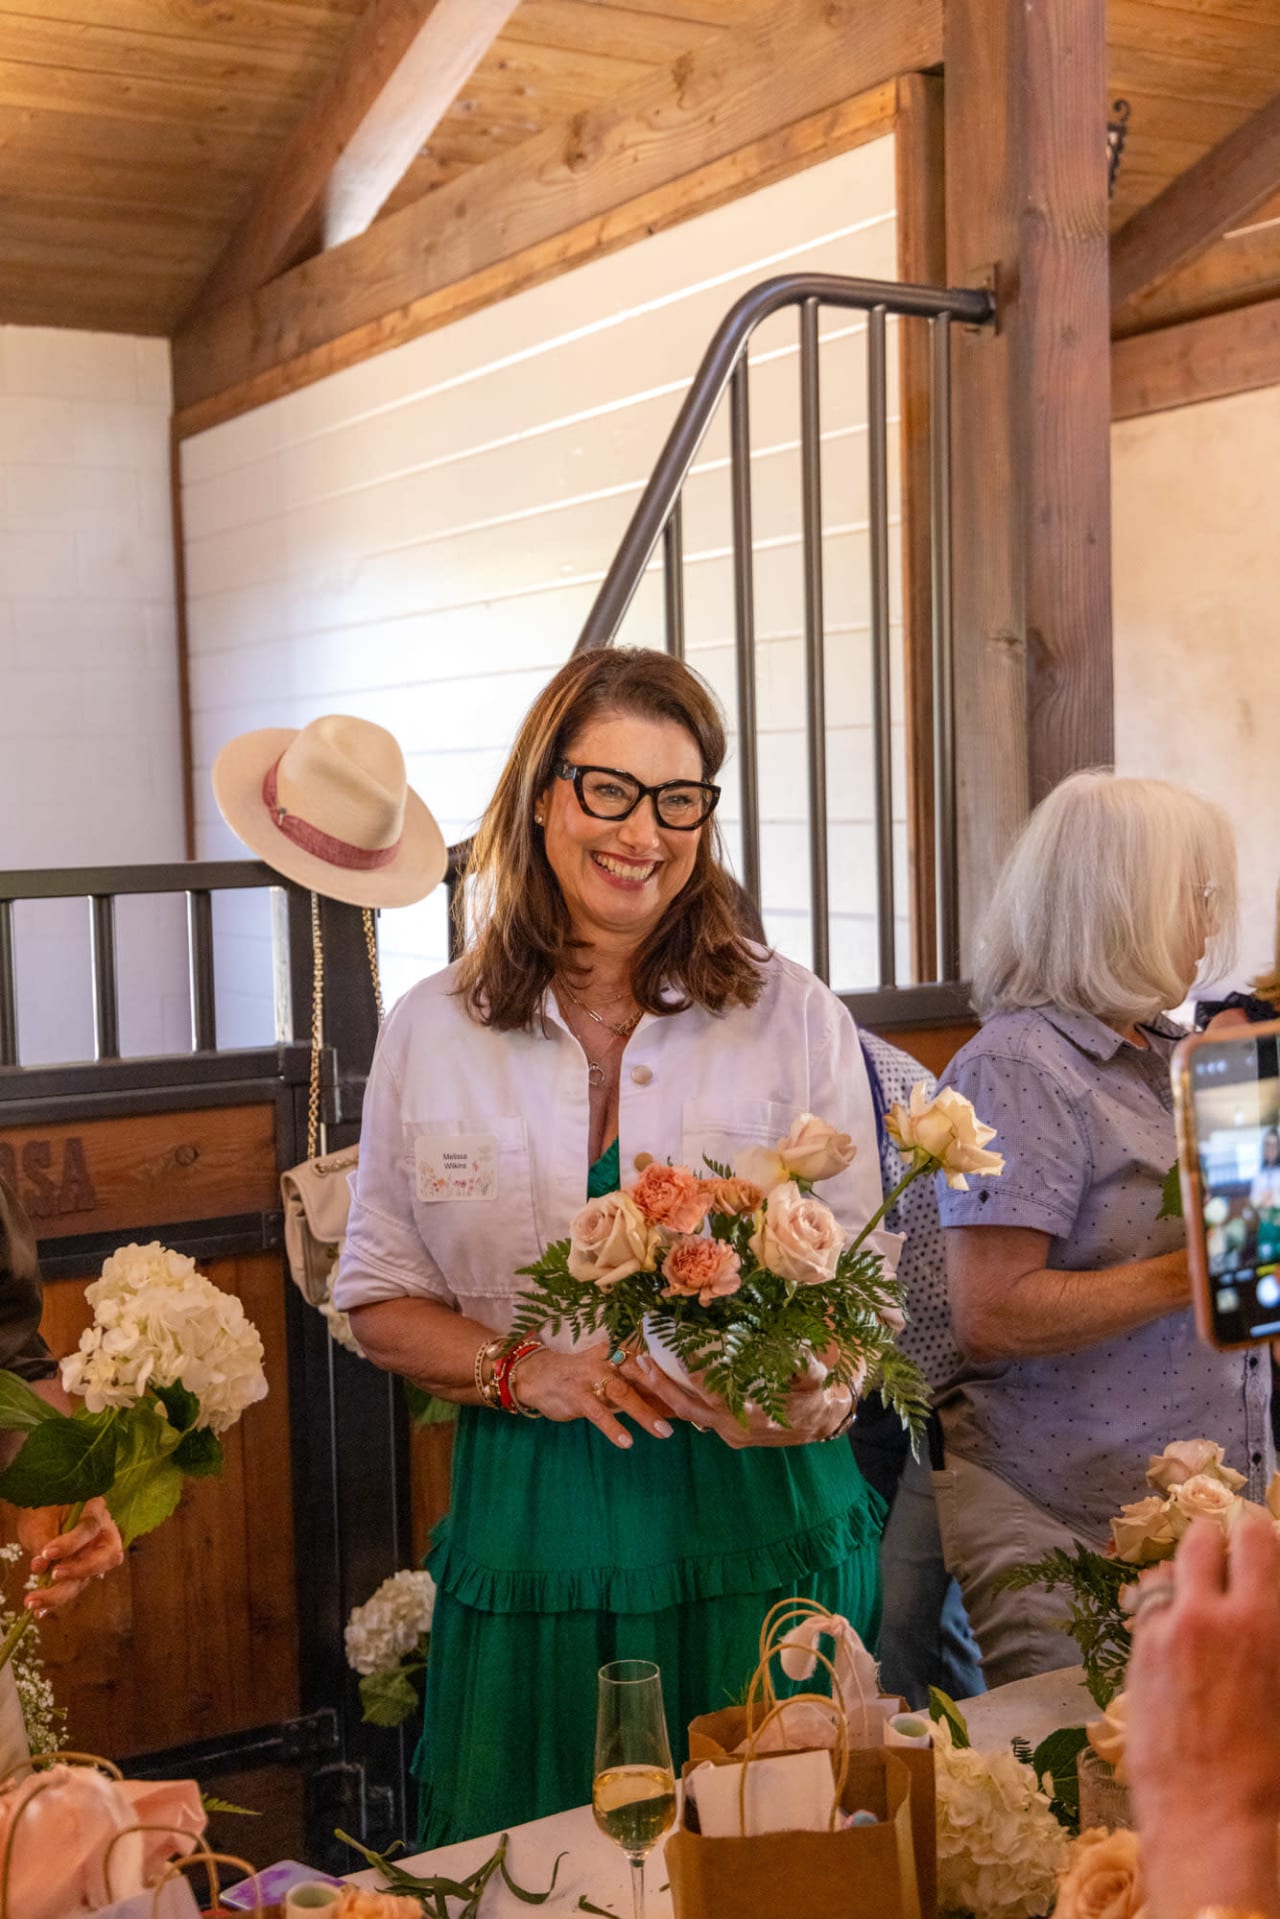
317	1008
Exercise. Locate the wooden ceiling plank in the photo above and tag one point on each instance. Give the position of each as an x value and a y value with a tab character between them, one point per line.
384	38
286	76
537	208
1233	273
436	65
1218	192
53	90
1206	359
579	26
246	25
1150	70
1210	37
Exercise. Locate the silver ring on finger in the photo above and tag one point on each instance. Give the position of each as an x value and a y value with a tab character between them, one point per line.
1152	1595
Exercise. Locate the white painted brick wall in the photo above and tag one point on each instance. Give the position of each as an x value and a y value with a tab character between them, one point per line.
418	538
90	761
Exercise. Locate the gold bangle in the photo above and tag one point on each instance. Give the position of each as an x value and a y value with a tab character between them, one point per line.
487	1388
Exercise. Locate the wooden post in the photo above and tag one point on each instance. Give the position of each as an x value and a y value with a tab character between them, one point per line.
1026	196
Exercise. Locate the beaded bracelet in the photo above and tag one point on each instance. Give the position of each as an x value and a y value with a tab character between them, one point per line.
488	1388
502	1370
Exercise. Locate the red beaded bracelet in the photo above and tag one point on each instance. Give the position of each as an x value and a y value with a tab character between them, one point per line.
502	1371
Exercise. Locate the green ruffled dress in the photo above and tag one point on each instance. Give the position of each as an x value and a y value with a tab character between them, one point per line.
563	1552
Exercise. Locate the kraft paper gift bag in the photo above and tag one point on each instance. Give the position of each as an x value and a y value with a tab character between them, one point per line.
861	1872
173	1900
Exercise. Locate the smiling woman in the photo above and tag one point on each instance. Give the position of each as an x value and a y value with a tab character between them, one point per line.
609	1011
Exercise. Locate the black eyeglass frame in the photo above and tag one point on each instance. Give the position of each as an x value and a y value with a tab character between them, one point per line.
566	770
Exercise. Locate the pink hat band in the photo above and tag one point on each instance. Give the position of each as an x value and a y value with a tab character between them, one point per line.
314	840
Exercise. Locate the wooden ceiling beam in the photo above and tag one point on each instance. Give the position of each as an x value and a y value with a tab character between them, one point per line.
403	66
1206	359
1217	193
585	186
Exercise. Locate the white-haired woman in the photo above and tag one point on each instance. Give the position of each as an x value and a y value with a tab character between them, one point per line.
1069	1293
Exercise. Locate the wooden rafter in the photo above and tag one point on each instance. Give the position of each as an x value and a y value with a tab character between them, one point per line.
402	68
573	192
1205	359
1218	192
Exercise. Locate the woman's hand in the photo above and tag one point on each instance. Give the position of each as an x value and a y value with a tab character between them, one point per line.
563	1386
813	1412
89	1550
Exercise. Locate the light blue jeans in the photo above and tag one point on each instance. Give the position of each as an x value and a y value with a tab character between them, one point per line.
925	1636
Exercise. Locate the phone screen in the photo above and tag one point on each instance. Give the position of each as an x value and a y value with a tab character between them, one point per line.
1235	1109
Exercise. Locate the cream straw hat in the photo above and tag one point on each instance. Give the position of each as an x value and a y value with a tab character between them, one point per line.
330	807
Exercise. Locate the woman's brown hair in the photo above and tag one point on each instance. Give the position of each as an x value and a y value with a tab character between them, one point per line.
696	955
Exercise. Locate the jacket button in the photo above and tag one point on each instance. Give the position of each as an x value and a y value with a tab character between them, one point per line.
641	1075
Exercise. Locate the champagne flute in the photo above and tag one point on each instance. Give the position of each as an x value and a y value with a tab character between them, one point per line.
634	1795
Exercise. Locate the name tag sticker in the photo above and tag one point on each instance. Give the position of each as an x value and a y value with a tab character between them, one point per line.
456	1166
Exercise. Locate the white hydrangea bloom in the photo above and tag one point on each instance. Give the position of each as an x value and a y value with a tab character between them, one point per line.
386	1627
999	1846
157	1320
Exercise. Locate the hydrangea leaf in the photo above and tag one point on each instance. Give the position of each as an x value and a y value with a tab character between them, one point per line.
20	1409
200	1454
182	1406
388	1697
148	1482
63	1461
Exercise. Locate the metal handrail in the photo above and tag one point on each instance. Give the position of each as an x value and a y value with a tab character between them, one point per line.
658	518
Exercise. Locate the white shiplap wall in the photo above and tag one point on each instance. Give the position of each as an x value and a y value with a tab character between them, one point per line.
418	539
90	746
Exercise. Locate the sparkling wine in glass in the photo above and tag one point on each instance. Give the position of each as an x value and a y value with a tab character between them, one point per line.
634	1795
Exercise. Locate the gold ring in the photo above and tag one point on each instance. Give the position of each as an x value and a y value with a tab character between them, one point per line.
601	1391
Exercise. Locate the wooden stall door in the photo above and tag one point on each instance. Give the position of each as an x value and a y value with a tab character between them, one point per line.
196	1637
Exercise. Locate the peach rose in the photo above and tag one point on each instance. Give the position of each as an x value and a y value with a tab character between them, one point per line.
738	1196
1186	1459
706	1267
1143	1532
946	1129
609	1239
814	1150
797	1237
670	1197
1103	1879
1109	1734
1203	1497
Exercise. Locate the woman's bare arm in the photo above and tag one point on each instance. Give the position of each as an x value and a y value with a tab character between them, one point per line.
1006	1303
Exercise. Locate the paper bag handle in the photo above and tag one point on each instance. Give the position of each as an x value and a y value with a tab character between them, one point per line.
778	1623
176	1868
840	1766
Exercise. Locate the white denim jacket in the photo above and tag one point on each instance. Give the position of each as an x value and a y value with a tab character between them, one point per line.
474	1149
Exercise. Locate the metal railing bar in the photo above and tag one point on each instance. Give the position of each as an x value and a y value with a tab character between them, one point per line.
745	626
882	739
8	988
673	580
179	876
102	949
944	772
975	305
204	1016
815	672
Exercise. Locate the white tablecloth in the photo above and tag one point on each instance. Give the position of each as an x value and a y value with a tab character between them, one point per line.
595	1867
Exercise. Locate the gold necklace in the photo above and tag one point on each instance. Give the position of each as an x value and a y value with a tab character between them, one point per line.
623	1030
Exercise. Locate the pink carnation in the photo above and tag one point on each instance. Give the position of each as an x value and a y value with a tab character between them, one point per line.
735	1197
670	1197
706	1267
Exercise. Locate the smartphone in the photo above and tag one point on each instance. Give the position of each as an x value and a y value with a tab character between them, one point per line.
1227	1099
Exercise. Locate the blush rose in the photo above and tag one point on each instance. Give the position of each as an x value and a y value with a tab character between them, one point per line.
797	1237
609	1239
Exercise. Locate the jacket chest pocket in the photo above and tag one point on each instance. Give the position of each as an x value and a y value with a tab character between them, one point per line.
721	1129
471	1189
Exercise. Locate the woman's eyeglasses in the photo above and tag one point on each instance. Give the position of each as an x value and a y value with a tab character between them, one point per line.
607	794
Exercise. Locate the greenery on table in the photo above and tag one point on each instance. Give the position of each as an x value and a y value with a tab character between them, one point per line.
436	1893
1095	1620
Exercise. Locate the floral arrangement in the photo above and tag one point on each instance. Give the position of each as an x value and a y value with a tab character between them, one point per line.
1189	1480
387	1641
168	1365
745	1274
1000	1845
